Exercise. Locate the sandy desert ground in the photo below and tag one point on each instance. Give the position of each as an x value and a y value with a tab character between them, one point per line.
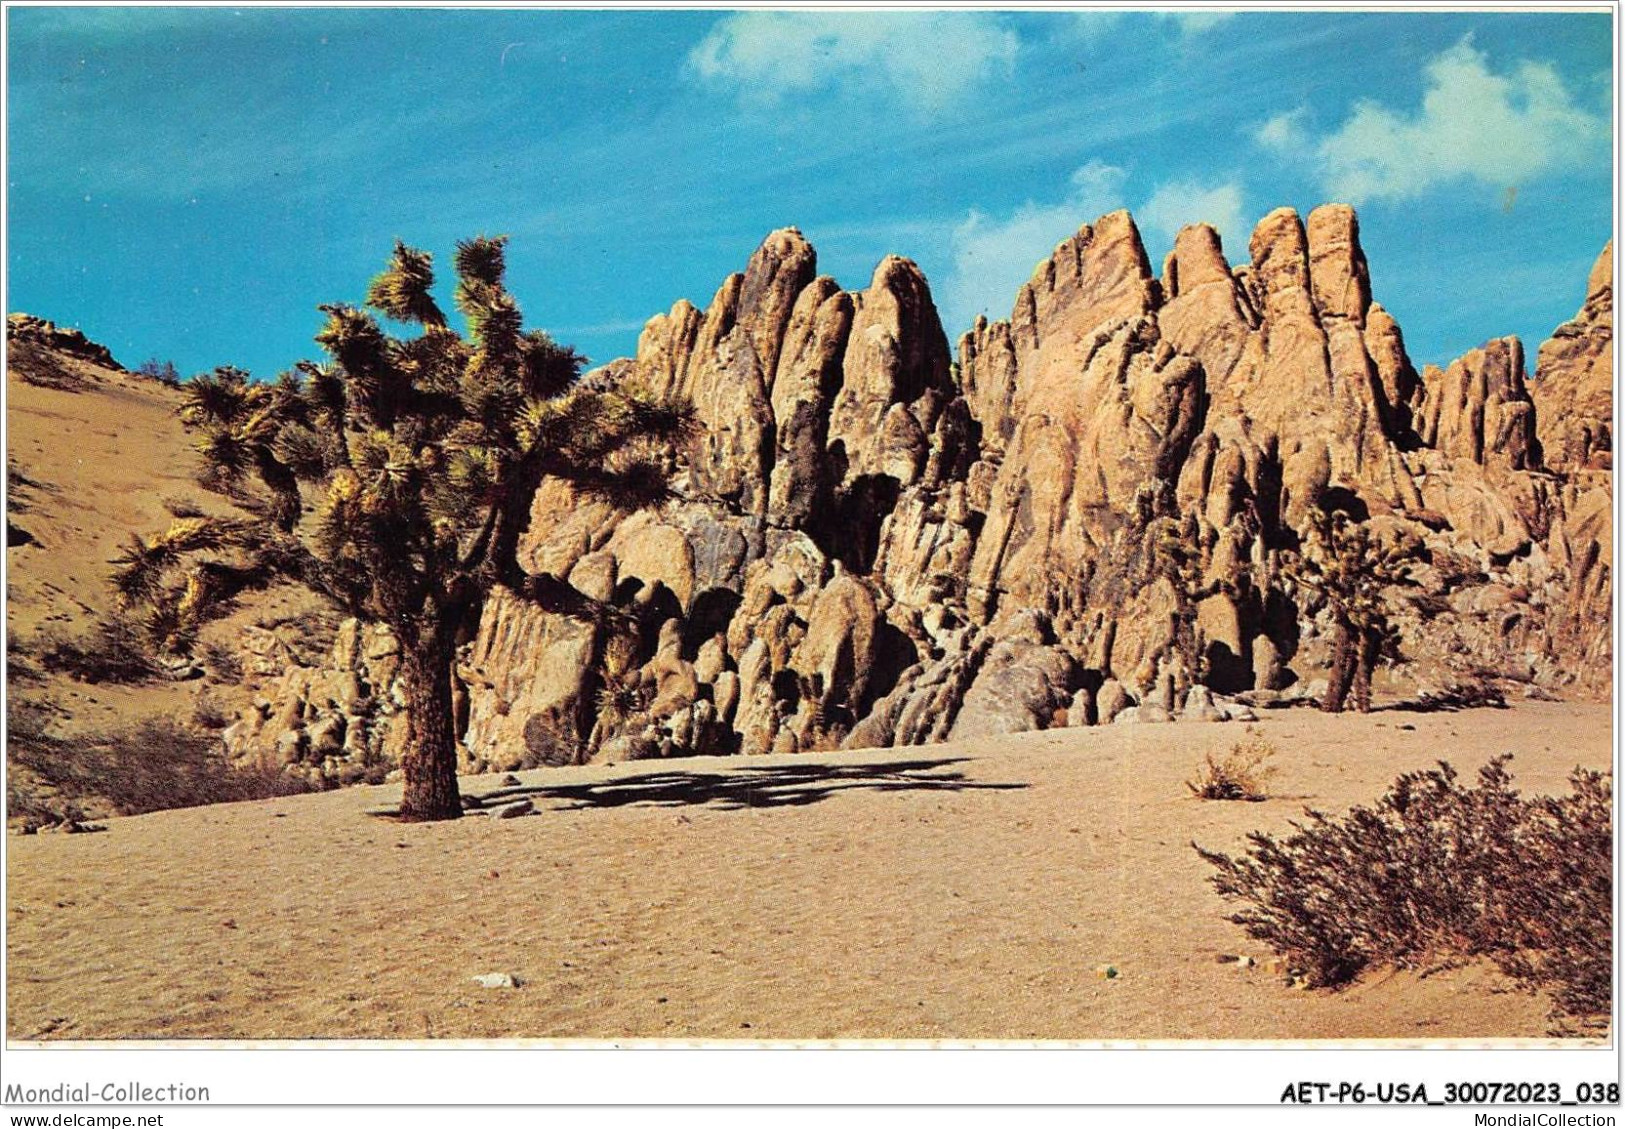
948	892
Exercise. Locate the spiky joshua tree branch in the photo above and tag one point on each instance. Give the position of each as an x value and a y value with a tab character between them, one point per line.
396	479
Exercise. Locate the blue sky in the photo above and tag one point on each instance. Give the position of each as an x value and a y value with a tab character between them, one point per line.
189	184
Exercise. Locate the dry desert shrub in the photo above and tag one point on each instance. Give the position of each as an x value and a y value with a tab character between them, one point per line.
1474	694
209	712
1556	910
1241	774
150	765
40	366
547	743
1439	871
164	372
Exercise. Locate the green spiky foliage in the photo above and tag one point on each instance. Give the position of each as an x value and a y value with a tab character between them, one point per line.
1350	568
396	479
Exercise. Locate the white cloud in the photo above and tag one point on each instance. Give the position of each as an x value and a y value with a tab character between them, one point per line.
1196	23
1094	26
1087	28
992	258
1285	133
1473	125
1182	202
927	60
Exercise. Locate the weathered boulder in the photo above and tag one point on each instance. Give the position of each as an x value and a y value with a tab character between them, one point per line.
1020	686
1112	699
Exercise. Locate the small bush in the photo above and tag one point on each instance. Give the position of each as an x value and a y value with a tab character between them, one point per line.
208	712
113	650
41	366
164	372
1440	871
31	807
1556	911
1240	775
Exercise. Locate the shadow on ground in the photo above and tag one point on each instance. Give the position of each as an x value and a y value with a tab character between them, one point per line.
1450	701
749	786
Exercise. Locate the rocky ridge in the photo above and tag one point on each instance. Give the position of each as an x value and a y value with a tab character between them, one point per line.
875	543
28	331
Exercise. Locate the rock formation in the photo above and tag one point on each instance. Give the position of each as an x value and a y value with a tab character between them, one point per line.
25	329
1574	375
875	545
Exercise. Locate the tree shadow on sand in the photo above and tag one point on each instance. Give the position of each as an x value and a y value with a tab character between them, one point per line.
748	786
1453	700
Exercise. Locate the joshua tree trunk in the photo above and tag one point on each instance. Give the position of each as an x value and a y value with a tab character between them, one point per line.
429	763
1365	665
1345	658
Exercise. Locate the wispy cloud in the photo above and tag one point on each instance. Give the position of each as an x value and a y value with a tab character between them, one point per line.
1096	27
1197	23
1473	125
927	60
600	329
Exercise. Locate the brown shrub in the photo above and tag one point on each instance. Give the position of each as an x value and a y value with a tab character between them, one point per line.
1239	775
1439	871
40	366
547	743
1556	910
208	712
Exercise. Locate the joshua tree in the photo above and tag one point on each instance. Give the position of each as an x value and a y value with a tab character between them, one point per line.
1350	568
419	457
1175	555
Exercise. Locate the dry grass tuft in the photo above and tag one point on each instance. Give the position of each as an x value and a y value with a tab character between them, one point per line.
1241	774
